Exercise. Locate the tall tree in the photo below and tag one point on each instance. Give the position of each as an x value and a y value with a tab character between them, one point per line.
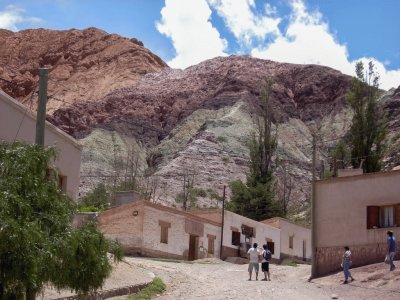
38	243
256	198
368	128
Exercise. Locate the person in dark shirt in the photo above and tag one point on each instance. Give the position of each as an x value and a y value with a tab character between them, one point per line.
391	249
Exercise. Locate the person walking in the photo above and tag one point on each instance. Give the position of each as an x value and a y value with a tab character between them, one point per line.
346	263
265	262
391	249
253	263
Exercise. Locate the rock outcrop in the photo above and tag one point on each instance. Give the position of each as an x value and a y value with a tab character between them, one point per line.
161	100
132	112
83	64
200	119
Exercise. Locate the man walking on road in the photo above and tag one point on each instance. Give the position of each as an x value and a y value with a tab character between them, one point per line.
253	253
391	249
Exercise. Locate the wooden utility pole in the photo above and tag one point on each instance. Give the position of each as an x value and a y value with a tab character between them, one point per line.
222	222
41	110
313	225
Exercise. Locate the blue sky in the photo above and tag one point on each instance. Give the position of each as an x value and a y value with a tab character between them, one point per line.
335	33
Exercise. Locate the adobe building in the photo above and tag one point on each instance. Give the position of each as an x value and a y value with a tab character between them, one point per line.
17	122
240	233
148	229
295	239
356	211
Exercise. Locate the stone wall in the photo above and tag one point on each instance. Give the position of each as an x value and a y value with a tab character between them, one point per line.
328	259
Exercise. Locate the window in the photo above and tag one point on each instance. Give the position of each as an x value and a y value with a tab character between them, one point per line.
236	238
248	231
211	240
383	216
62	182
164	235
271	247
164	226
291	242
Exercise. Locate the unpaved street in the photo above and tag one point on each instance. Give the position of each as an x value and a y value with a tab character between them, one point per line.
215	279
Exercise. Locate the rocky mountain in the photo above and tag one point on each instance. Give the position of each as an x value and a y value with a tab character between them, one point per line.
135	115
83	65
198	120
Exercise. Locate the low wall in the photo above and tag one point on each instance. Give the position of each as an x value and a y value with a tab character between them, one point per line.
229	252
82	218
328	259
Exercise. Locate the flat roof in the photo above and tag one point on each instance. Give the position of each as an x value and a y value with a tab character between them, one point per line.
30	114
279	219
358	177
163	208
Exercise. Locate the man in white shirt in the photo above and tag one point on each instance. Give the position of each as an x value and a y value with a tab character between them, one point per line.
253	254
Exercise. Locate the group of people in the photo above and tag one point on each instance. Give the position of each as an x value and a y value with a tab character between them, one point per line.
254	253
389	259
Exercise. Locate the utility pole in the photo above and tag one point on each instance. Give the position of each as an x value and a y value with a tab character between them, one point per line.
222	223
313	227
41	110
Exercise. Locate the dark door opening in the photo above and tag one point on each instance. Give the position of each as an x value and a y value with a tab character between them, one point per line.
193	243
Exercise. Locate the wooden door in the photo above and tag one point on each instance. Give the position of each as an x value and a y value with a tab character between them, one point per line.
192	247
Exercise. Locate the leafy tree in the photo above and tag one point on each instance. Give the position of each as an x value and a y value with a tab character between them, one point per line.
341	156
256	198
368	128
38	244
95	200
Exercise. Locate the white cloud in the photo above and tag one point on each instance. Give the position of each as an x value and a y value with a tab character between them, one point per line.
187	24
308	40
246	25
12	15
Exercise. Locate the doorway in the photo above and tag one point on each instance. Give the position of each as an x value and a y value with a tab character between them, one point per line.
304	250
193	246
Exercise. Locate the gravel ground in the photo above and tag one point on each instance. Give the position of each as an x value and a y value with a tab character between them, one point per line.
125	273
214	279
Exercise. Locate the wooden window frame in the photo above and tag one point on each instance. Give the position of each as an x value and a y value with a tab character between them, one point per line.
271	247
374	213
211	244
164	226
235	238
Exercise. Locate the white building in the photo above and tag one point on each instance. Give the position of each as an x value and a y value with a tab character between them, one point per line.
295	239
17	122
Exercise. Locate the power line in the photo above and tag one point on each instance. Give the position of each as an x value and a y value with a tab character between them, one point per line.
26	110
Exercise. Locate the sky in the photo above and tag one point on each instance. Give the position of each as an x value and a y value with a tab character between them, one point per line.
334	33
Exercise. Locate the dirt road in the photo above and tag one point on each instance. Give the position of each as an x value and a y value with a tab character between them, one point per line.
215	279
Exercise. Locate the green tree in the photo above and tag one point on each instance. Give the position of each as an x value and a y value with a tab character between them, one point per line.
96	200
341	156
38	244
369	126
256	198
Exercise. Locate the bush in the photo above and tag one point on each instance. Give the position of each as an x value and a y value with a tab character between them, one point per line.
157	286
222	139
38	243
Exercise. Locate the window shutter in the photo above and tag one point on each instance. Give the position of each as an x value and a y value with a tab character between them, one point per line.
372	216
235	238
271	247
